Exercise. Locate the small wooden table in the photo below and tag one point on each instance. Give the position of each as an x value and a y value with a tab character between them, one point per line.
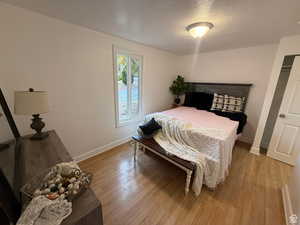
151	145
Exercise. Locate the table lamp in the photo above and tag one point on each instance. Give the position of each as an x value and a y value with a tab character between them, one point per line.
3	146
33	103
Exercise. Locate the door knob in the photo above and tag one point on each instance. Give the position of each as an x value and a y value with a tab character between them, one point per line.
282	115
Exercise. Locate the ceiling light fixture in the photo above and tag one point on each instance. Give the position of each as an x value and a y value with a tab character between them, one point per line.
198	30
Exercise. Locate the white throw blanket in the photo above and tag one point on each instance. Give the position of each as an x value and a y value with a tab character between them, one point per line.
210	149
42	211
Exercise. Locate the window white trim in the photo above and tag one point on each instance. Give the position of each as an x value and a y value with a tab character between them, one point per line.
119	50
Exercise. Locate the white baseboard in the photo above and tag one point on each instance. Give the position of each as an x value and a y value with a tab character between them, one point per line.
287	205
101	149
254	150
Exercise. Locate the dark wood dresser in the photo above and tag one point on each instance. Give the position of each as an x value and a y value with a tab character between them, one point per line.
33	157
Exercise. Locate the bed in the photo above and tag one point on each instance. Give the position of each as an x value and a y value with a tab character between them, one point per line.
198	141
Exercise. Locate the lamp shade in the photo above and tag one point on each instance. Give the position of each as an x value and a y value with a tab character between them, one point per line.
31	102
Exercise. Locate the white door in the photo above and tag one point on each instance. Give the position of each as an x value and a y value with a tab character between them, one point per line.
285	141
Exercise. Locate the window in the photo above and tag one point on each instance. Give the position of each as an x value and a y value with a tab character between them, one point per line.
128	75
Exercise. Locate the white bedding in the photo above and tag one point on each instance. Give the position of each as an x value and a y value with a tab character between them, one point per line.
208	145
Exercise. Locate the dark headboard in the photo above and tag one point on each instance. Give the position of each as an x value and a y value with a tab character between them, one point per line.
232	89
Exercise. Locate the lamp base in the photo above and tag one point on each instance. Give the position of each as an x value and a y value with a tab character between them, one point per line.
38	125
39	136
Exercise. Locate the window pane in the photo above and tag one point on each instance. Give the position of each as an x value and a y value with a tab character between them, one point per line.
122	71
135	78
128	77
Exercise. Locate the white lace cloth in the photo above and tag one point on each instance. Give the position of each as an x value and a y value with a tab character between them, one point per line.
210	149
42	211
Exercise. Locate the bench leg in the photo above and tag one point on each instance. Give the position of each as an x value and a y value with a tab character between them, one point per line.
136	146
143	149
188	181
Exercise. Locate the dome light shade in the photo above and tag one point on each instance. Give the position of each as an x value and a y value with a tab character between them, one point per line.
198	30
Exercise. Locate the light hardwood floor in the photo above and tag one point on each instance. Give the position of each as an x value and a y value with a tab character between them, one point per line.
151	191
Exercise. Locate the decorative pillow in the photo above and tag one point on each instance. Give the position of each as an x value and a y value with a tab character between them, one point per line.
233	104
205	101
199	100
190	99
150	127
218	102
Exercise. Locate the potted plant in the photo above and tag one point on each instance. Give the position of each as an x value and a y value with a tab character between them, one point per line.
178	88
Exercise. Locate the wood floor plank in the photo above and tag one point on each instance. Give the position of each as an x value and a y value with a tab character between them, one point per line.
151	190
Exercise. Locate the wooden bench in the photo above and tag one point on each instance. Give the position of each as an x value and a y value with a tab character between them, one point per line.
153	146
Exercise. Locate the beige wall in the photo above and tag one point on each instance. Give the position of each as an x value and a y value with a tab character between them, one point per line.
74	65
244	65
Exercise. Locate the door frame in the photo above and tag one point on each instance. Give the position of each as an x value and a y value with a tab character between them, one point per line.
284	49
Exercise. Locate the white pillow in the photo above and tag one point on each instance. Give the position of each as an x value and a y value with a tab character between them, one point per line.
218	102
233	104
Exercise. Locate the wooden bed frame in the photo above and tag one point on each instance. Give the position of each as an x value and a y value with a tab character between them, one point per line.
232	89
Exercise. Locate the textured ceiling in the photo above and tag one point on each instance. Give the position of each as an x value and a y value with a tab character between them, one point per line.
161	23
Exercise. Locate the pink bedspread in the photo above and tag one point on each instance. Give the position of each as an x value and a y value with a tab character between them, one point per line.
203	119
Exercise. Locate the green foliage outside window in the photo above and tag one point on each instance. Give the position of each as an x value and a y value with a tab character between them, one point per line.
123	68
